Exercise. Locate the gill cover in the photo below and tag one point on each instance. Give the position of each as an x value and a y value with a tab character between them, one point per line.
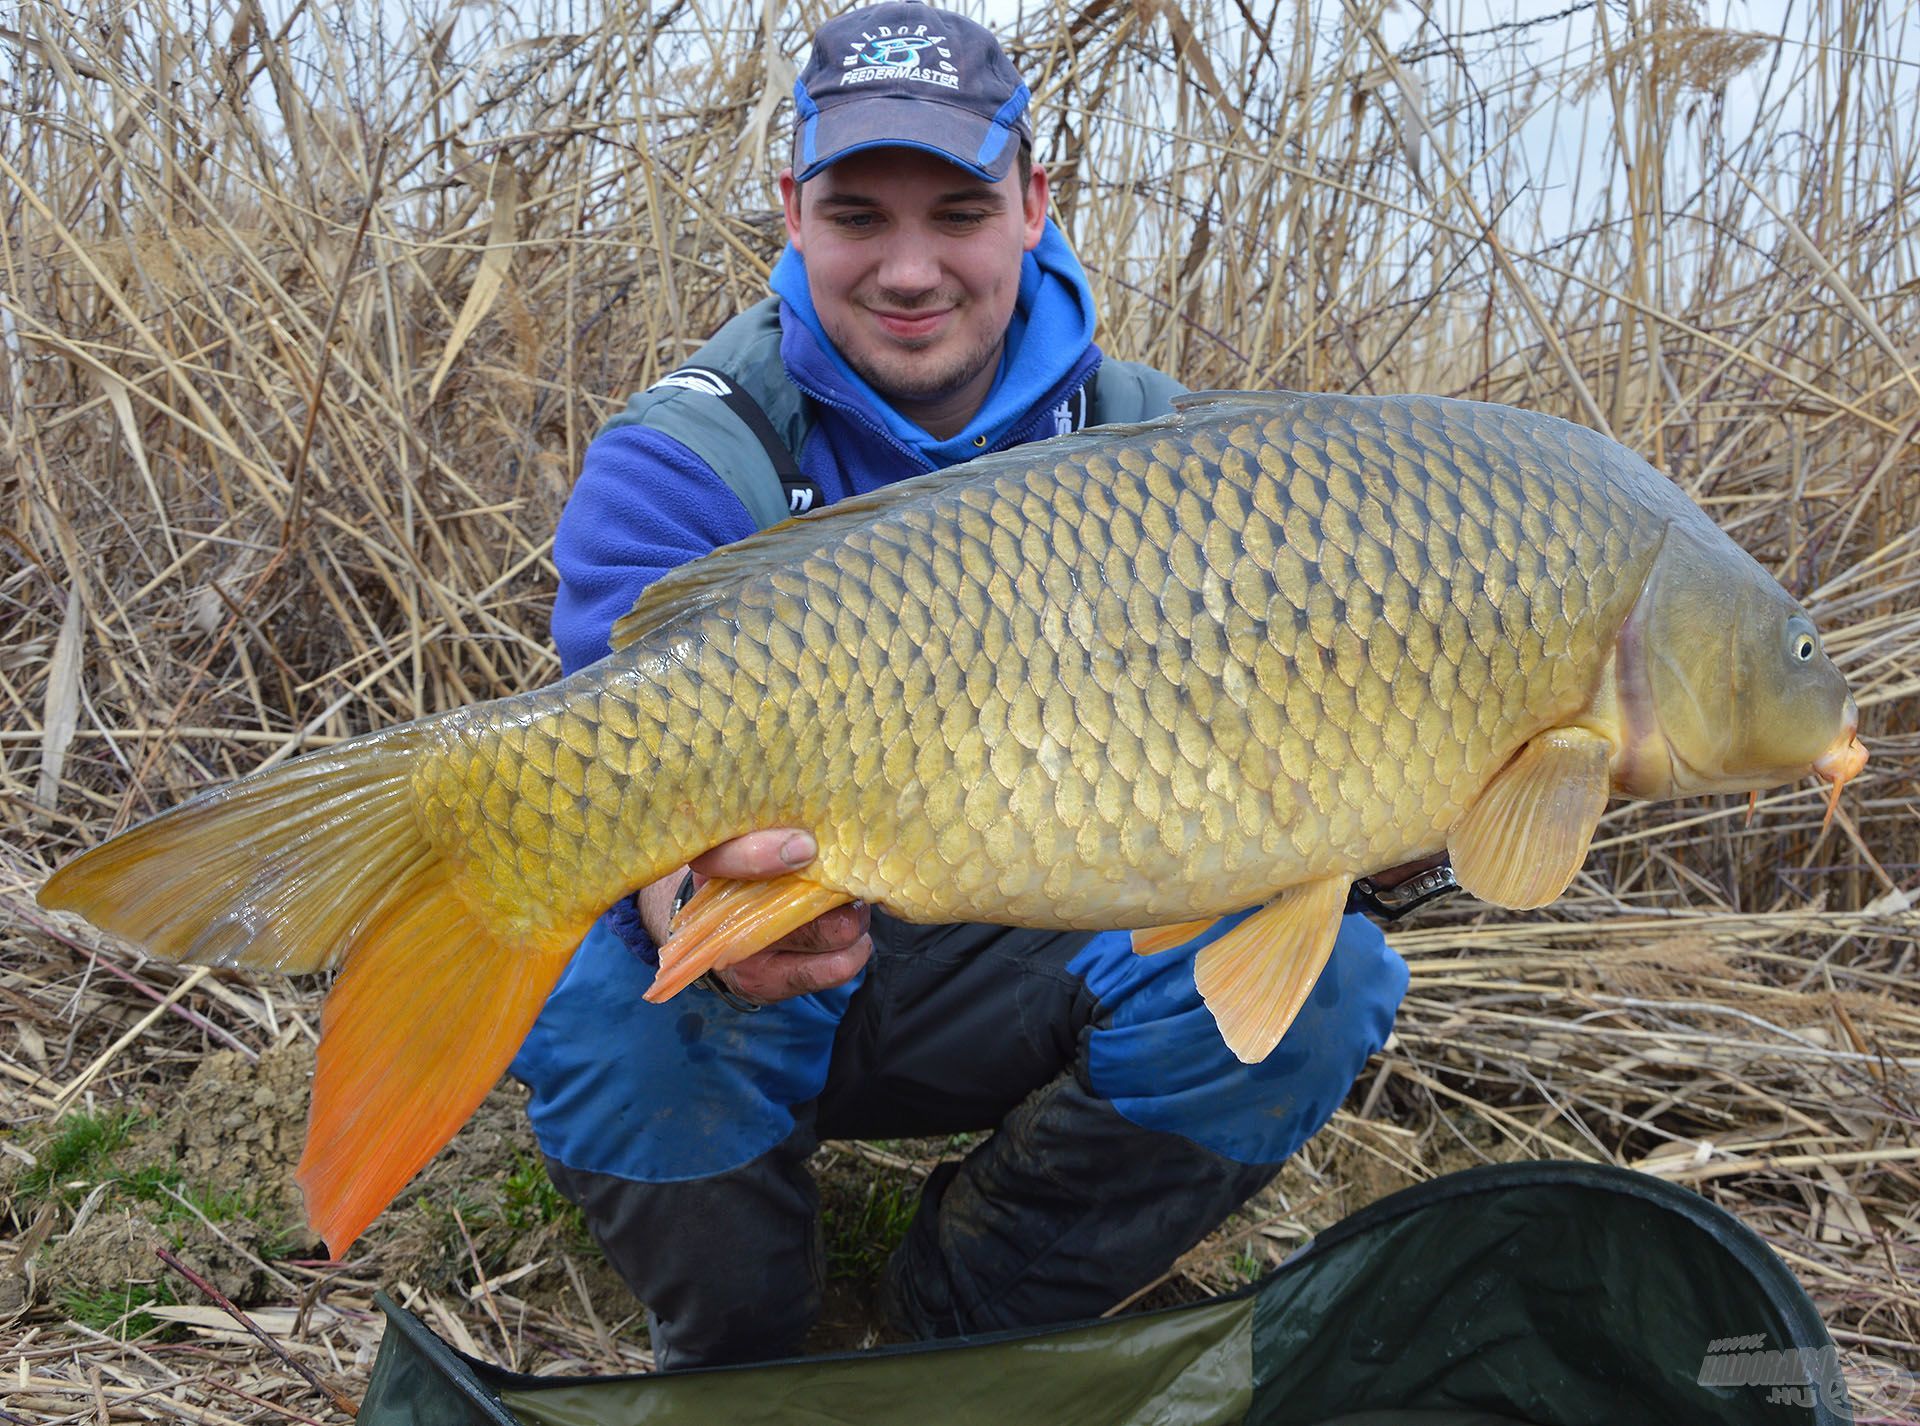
1723	682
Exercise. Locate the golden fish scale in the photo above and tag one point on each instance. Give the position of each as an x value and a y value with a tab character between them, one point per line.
1156	677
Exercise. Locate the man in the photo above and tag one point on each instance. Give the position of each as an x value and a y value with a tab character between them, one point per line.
927	312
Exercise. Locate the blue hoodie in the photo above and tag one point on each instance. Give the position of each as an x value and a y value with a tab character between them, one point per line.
645	504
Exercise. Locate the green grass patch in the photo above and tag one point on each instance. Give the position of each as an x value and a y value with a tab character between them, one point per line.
861	1233
283	1239
150	1183
529	1199
116	1311
81	1147
496	1216
80	1156
215	1205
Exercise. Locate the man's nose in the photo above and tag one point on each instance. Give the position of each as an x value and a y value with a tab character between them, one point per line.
909	266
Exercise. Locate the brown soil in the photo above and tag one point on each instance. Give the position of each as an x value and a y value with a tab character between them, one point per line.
234	1135
238	1125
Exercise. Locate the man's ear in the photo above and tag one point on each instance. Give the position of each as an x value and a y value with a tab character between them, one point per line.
1033	207
790	201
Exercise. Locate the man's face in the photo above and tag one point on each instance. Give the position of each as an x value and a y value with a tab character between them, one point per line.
914	266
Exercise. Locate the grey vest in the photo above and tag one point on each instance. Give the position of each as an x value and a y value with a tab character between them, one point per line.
735	408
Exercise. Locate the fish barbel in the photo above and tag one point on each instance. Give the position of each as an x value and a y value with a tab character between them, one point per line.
1135	677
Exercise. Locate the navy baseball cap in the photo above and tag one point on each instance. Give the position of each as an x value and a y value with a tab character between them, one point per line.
905	75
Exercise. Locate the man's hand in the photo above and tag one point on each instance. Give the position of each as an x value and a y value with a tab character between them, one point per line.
828	951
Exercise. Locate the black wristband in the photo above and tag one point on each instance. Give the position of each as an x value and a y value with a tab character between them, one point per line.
1390	903
680	899
711	982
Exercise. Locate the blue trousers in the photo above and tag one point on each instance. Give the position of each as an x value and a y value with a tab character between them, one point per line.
1124	1130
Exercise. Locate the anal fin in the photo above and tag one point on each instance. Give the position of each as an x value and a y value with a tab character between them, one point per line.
1256	977
727	921
1524	839
1156	939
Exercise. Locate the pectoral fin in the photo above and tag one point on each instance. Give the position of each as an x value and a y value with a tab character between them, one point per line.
1156	939
728	921
1257	976
1521	844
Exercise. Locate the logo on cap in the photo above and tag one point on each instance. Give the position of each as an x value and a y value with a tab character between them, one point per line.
896	52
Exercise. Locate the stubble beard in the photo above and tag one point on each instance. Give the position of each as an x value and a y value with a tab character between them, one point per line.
912	373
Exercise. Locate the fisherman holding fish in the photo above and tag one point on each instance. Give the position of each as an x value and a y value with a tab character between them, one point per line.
1243	656
926	311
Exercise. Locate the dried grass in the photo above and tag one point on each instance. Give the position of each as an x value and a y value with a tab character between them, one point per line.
305	324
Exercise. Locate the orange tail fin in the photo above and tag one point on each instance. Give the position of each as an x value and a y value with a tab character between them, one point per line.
308	866
419	1027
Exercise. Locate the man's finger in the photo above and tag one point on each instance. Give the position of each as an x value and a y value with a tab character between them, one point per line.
830	931
758	856
780	975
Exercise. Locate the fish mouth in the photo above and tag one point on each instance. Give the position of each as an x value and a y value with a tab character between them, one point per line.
1841	763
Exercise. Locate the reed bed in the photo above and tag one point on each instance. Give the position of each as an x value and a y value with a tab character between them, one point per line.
308	311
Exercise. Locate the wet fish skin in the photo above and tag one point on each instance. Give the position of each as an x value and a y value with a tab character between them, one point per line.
1163	676
1128	678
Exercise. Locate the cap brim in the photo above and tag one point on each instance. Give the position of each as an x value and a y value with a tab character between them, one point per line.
958	135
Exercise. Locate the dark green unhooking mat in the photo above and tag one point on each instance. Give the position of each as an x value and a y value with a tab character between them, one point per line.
1520	1295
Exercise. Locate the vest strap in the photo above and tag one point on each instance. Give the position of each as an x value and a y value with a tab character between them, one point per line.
800	493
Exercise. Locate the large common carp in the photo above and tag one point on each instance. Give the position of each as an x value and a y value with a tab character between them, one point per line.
1135	677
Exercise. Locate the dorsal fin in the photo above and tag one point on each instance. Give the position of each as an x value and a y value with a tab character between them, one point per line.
1218	403
691	586
706	580
709	578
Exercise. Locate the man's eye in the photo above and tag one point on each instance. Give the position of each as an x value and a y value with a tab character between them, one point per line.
969	219
854	222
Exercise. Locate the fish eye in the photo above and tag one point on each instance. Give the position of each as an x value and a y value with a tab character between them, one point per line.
1801	642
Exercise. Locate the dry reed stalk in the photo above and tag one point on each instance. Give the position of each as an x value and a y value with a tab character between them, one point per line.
307	312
